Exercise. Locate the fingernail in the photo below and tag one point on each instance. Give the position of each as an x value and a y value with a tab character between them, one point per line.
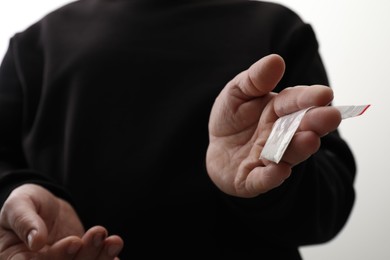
30	237
73	248
113	250
98	239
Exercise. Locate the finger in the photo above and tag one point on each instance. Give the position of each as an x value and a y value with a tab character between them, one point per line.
64	249
97	246
299	97
93	243
302	146
12	247
316	123
291	100
113	245
321	120
20	256
262	179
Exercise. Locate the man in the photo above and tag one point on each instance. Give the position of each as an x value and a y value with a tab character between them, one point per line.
146	119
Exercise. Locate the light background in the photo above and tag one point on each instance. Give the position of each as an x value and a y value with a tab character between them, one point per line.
354	41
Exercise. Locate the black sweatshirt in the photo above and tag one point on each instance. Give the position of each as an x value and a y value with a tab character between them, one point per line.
106	103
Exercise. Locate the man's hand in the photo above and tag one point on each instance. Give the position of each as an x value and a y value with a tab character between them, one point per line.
241	121
34	224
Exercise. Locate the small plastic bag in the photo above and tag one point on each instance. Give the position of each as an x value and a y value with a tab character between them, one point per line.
285	127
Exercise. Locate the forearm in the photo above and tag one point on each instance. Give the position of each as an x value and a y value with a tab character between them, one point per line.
14	167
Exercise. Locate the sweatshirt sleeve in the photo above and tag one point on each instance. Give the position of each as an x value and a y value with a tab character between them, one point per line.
14	169
314	204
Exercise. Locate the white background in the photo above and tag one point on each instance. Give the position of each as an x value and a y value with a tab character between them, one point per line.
354	41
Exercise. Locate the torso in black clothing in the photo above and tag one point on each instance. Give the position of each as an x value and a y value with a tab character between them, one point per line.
124	90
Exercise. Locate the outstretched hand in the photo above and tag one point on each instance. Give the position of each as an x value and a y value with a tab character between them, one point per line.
241	121
34	224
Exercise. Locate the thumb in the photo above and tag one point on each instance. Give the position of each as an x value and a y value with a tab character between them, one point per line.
21	215
240	103
261	77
